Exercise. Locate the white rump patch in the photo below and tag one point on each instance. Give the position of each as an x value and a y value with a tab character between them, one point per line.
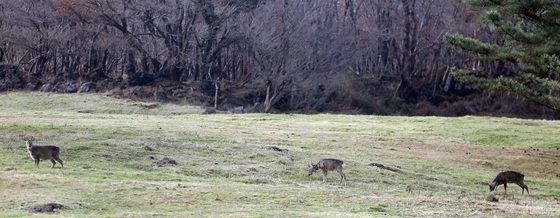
343	165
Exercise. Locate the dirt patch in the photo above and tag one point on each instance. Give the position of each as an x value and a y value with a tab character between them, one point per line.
491	198
146	105
85	111
383	167
166	161
45	208
398	169
531	162
274	148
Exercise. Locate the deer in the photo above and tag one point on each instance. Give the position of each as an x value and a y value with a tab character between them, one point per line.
43	152
509	177
326	165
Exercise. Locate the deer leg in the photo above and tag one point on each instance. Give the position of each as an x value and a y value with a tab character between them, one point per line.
505	187
53	163
60	161
37	163
523	187
342	176
324	176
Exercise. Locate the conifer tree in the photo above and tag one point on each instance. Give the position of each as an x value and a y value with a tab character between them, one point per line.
530	30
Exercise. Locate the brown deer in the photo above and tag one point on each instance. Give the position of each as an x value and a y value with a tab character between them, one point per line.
43	152
509	177
326	165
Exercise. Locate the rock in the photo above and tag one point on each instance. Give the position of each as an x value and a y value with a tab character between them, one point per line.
32	85
209	110
166	161
378	165
408	188
277	149
87	87
139	92
63	87
85	111
45	208
381	166
146	105
492	198
66	87
48	87
238	110
106	84
160	95
116	92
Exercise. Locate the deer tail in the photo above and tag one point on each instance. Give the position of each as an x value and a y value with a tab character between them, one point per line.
343	165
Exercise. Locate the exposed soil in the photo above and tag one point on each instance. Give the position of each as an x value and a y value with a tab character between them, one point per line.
45	208
277	149
166	161
485	157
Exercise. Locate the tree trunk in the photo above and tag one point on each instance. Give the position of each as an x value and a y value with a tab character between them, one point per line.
216	91
270	97
267	100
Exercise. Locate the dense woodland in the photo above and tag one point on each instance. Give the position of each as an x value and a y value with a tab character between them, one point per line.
349	56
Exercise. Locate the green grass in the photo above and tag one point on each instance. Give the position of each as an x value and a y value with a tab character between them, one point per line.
227	167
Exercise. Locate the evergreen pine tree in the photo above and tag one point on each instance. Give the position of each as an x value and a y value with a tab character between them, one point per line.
530	30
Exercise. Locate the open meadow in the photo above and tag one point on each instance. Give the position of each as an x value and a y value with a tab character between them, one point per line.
127	158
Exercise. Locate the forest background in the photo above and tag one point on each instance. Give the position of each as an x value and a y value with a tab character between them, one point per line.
339	56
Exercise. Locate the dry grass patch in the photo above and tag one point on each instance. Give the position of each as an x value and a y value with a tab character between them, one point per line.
254	165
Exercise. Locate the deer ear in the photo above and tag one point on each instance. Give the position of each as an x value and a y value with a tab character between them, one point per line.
309	164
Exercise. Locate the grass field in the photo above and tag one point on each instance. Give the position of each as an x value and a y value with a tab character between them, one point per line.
255	165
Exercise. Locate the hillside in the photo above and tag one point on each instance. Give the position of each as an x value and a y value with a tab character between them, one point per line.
118	162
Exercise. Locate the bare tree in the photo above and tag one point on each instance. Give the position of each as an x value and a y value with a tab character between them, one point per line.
285	54
292	44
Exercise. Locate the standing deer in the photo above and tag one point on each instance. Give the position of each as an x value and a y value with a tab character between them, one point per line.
43	152
326	165
509	177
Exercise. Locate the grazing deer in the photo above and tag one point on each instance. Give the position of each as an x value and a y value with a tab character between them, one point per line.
509	177
326	165
43	152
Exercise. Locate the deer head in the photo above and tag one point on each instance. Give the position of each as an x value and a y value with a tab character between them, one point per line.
492	186
28	141
312	168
